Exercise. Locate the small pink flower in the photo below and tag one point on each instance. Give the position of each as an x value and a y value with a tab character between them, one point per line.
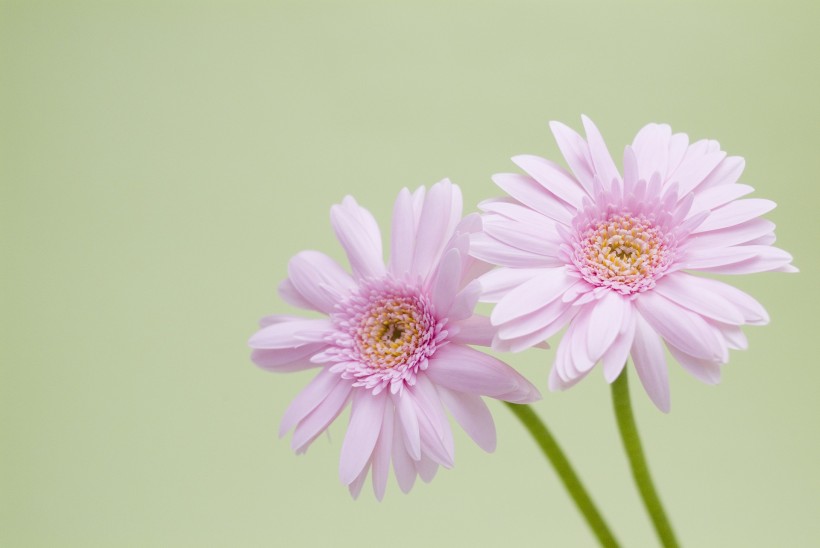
607	256
394	341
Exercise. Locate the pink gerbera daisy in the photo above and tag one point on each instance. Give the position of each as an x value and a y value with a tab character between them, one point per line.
394	341
608	256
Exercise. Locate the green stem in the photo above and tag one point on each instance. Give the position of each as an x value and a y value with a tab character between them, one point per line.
637	460
559	461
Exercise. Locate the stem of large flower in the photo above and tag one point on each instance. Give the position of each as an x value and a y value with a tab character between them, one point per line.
637	460
559	461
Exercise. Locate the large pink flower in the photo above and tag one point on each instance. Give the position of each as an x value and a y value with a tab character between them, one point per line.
607	255
394	341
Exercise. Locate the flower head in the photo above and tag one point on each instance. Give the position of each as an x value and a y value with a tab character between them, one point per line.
607	255
393	341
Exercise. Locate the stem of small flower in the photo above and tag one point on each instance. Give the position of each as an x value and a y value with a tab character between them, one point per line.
637	460
563	468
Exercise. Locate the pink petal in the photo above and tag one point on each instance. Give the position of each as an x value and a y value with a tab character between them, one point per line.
700	160
403	233
651	150
553	178
355	487
488	249
753	312
426	469
718	196
308	399
527	191
541	240
601	159
447	281
291	334
734	235
474	330
271	319
463	369
406	413
726	173
319	279
555	382
362	432
359	235
699	258
604	323
291	295
576	153
533	321
464	302
696	294
439	217
650	363
536	293
381	454
764	258
317	421
434	429
287	360
403	465
472	414
495	284
682	328
614	359
704	370
735	213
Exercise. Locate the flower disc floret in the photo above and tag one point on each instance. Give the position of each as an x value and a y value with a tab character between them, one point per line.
624	252
386	331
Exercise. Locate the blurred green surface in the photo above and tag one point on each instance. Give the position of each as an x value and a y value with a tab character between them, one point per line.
161	161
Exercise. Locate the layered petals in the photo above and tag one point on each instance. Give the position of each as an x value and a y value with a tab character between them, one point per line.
393	341
611	257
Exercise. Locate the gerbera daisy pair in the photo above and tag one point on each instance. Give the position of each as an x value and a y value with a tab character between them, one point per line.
603	254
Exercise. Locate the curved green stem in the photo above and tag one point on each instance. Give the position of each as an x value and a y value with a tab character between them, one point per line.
637	460
559	461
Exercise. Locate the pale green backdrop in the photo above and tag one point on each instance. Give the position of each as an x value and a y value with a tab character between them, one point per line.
161	161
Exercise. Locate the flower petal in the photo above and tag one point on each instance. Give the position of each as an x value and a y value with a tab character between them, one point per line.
359	235
287	360
553	178
650	363
406	413
472	414
736	212
403	465
532	295
704	370
682	328
463	369
319	279
533	195
363	430
495	284
576	153
474	330
380	461
488	249
403	233
604	323
308	399
614	359
696	294
291	334
439	217
317	421
601	159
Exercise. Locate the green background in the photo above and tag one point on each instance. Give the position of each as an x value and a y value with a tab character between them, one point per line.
161	161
